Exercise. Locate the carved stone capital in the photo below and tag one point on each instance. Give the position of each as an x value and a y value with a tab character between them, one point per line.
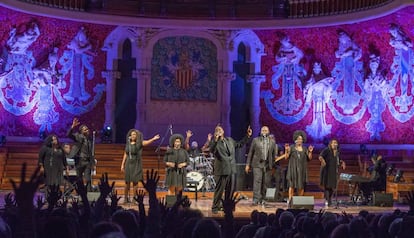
111	74
226	76
256	78
141	74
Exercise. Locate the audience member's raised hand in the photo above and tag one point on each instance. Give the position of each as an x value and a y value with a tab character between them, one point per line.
54	194
81	188
410	200
185	202
162	204
139	196
75	204
152	180
40	202
230	200
114	199
9	201
24	194
104	186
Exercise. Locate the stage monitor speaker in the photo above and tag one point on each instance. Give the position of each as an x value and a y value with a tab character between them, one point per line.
382	199
271	195
303	202
93	196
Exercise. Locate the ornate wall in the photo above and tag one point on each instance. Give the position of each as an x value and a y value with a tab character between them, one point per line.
359	91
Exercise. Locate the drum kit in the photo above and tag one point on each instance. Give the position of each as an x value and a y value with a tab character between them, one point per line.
200	169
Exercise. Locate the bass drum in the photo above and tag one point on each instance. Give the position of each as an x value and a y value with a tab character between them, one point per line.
194	177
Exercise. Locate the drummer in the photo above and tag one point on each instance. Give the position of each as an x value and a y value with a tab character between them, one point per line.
193	150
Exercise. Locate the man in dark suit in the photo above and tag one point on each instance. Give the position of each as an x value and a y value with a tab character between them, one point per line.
82	152
223	149
260	160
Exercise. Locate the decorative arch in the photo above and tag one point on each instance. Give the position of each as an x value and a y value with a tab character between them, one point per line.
254	52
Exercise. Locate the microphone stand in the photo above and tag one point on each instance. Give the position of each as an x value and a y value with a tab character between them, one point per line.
158	149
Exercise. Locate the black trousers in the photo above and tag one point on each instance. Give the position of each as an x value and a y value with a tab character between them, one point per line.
84	171
222	182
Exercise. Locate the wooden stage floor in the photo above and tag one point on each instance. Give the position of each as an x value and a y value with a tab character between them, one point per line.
245	207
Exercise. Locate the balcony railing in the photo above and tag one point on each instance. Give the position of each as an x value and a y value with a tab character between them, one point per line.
215	9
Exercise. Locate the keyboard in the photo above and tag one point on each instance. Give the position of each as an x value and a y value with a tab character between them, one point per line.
353	178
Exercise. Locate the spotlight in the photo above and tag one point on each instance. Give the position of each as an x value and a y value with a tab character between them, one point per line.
399	176
106	135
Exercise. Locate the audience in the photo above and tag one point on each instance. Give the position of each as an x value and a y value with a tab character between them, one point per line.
24	215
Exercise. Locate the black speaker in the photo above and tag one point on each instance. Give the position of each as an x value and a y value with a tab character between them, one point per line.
303	202
382	199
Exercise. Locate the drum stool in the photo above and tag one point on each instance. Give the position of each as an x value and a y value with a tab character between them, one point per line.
194	185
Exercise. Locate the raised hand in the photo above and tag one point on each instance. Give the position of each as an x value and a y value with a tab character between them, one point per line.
310	148
104	186
54	194
230	200
9	201
25	192
152	180
249	131
40	202
114	199
80	187
139	196
185	202
189	133
75	122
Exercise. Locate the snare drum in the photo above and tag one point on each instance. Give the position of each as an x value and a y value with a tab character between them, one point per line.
195	177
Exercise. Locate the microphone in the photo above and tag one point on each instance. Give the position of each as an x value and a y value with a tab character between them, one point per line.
170	127
129	138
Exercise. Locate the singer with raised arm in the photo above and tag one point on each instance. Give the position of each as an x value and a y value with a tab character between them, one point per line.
224	150
176	159
82	152
132	161
330	163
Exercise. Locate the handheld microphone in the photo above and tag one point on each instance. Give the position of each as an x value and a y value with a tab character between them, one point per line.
171	132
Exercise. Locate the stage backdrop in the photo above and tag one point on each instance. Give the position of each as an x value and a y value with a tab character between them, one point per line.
353	82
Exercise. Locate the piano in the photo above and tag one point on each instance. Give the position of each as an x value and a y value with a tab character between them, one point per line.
353	178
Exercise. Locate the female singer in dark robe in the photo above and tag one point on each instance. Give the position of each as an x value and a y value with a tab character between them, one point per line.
330	162
132	160
176	159
298	156
52	161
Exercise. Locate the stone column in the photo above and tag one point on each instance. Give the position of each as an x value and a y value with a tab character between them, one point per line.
255	81
143	76
225	79
110	76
